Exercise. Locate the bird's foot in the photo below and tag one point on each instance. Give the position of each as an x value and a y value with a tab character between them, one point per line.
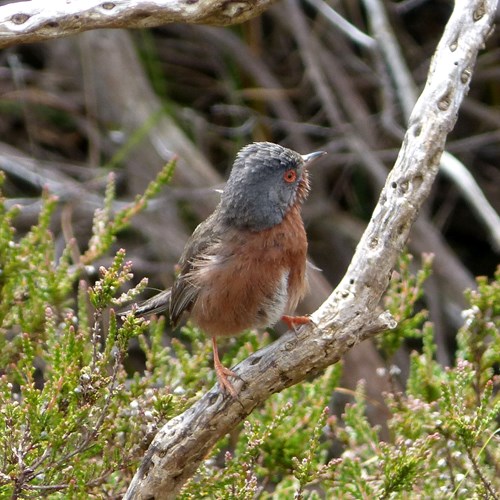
222	373
293	321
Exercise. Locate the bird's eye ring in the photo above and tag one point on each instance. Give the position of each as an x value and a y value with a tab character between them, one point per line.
290	175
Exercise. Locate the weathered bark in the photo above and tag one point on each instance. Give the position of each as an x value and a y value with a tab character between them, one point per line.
351	313
39	20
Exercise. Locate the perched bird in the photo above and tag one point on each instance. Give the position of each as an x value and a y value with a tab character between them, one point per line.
245	265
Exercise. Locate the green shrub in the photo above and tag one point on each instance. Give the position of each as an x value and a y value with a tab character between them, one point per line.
75	424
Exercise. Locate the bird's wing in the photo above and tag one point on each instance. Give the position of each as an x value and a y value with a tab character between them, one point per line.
199	246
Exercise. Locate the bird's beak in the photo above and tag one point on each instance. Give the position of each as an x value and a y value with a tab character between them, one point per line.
308	159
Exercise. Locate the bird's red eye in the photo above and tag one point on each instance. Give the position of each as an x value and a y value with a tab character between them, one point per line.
290	175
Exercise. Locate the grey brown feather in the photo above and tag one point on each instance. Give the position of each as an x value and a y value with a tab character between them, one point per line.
254	199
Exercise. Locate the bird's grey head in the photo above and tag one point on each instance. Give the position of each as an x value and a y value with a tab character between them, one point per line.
265	181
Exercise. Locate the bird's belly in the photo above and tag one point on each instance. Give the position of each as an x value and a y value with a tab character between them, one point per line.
274	305
251	280
236	301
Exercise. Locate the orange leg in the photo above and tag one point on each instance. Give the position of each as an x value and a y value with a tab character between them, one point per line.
292	321
222	372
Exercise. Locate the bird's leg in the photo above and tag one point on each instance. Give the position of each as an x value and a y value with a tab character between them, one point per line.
222	372
292	321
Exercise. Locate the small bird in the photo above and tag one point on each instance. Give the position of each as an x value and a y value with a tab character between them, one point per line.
245	265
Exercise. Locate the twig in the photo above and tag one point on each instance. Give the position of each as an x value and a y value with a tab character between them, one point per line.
462	178
263	77
40	174
310	50
403	82
486	483
351	314
343	25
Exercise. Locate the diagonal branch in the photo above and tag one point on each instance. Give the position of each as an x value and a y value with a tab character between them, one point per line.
350	314
406	89
37	20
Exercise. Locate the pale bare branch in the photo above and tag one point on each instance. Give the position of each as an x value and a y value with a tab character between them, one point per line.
406	90
343	25
37	20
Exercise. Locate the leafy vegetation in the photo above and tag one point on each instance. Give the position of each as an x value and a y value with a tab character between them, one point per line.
75	420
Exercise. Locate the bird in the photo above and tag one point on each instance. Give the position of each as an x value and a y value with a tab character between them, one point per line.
244	267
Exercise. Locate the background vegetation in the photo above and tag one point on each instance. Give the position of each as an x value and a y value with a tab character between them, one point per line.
88	122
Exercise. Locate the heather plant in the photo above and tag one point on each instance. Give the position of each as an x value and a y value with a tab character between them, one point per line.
443	429
75	420
65	417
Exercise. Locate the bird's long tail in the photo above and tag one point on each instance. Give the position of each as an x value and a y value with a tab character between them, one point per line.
157	304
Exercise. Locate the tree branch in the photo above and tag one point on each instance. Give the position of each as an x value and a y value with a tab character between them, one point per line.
38	20
406	90
350	314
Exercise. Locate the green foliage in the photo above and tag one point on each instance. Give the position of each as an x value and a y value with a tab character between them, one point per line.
106	226
401	299
67	424
478	339
285	442
59	425
443	433
75	418
28	279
